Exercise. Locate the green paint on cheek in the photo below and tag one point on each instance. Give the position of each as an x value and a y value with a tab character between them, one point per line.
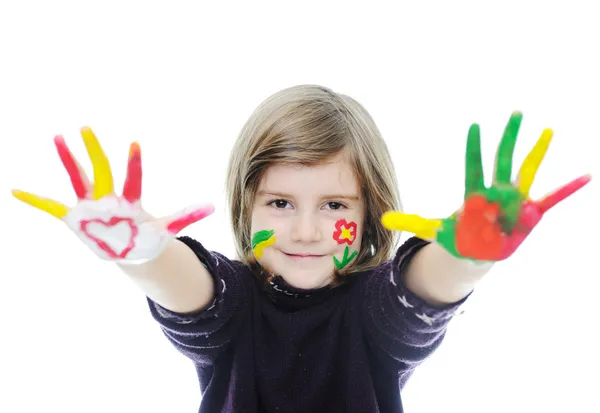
346	259
261	236
262	240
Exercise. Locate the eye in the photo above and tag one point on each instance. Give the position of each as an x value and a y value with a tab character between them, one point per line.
279	203
335	205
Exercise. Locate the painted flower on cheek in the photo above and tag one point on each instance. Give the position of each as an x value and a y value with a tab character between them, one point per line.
345	232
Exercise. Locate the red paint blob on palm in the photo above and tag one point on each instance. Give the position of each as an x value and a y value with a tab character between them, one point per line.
71	166
478	233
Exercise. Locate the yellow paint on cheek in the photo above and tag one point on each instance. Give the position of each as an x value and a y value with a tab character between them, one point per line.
346	234
259	249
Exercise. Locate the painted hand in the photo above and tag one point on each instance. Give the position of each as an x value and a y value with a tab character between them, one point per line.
493	221
115	227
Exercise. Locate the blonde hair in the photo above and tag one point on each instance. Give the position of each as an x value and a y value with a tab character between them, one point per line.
309	124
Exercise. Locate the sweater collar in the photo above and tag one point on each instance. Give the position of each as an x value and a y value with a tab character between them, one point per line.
289	298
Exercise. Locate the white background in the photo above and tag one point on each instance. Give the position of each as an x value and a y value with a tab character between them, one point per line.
76	335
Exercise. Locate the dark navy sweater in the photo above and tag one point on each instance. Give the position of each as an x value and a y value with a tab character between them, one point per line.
349	348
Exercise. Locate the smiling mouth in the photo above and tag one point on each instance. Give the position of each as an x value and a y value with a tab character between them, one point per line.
303	256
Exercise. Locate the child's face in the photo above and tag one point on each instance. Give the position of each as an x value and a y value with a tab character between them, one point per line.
316	215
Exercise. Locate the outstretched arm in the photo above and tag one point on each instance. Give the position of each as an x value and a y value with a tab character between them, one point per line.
440	278
176	279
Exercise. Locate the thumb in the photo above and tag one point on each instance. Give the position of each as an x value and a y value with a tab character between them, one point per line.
422	227
178	221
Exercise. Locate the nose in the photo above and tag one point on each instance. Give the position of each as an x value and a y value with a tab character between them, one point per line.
305	228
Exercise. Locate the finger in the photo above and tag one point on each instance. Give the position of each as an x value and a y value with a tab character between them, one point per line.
474	166
532	162
562	193
506	149
54	208
103	180
262	240
132	190
187	217
422	227
79	180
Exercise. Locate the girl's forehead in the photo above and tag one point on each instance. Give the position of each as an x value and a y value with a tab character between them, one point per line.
332	177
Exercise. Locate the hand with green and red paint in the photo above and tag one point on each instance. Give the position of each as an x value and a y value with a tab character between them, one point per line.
115	227
494	220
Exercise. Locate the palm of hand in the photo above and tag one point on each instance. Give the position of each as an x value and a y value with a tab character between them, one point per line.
116	228
493	221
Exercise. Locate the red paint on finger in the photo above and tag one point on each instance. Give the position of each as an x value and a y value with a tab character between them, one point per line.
187	219
132	190
71	166
560	194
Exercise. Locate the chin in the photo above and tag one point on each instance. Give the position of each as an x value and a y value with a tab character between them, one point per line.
307	280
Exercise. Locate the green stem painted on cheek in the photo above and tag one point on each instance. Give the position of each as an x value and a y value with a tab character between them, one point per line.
345	259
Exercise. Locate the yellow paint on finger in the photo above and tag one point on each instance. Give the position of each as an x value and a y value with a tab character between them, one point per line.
422	227
532	162
103	180
54	208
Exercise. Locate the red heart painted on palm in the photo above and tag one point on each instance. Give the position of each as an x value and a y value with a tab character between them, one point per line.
107	227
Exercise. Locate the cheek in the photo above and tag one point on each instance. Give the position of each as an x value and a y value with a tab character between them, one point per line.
262	235
346	232
263	219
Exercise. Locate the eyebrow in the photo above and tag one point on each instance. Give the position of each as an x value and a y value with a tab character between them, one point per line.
288	196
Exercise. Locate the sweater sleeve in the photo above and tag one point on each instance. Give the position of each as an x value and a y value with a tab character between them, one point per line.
201	336
401	327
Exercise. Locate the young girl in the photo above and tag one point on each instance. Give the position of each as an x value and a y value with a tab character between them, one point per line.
320	312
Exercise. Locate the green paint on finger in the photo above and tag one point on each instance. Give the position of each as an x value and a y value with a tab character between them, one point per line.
506	149
474	181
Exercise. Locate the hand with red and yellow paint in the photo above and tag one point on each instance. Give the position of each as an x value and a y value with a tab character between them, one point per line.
493	221
116	228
